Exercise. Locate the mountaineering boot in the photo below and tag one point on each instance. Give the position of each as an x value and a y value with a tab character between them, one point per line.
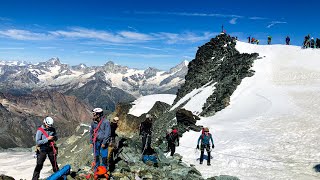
200	162
208	164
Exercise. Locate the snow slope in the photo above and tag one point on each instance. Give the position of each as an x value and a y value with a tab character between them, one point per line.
271	129
145	103
20	165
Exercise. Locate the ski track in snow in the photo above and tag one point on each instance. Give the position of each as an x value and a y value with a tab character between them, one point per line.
271	128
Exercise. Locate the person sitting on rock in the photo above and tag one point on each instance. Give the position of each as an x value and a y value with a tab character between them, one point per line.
205	144
172	137
146	131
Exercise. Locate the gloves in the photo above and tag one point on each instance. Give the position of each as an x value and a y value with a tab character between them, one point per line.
198	146
212	146
178	144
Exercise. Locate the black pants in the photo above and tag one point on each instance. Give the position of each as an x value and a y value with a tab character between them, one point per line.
207	147
146	141
41	157
172	148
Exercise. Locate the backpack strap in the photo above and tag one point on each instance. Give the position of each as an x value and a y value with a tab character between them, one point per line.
43	132
51	143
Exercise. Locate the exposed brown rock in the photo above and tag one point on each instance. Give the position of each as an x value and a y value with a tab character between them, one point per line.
20	115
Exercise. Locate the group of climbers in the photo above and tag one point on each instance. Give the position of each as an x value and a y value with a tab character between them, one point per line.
102	133
172	138
253	40
103	136
310	42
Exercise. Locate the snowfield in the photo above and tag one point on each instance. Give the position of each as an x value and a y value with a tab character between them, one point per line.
145	103
271	129
20	165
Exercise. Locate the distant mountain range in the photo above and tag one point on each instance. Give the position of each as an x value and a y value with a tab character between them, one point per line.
104	85
29	92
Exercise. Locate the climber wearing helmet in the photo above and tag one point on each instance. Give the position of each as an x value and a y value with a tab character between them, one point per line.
100	137
146	131
45	141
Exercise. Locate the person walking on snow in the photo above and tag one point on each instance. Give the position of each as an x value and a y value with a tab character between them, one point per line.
312	43
172	137
100	137
287	40
317	43
45	137
269	39
205	144
145	130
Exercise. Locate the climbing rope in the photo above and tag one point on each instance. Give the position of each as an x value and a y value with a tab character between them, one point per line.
259	159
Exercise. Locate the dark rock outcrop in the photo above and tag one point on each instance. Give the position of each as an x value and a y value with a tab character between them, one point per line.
317	168
218	62
4	177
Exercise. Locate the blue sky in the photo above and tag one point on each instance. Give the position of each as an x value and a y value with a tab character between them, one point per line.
142	34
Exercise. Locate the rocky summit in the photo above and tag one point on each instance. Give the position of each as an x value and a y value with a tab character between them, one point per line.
219	62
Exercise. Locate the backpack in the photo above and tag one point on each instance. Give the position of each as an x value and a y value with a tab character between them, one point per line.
202	136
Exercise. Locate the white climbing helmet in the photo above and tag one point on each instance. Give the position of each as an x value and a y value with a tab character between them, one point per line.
97	111
48	121
148	116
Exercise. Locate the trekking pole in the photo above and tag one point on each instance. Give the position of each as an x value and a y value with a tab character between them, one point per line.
145	145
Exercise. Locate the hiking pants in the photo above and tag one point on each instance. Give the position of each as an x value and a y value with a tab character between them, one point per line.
146	141
172	148
207	147
103	152
41	157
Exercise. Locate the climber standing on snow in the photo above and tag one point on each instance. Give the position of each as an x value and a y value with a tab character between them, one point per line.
205	144
287	40
269	40
100	137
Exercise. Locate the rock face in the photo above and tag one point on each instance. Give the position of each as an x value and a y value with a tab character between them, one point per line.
100	93
20	115
218	62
